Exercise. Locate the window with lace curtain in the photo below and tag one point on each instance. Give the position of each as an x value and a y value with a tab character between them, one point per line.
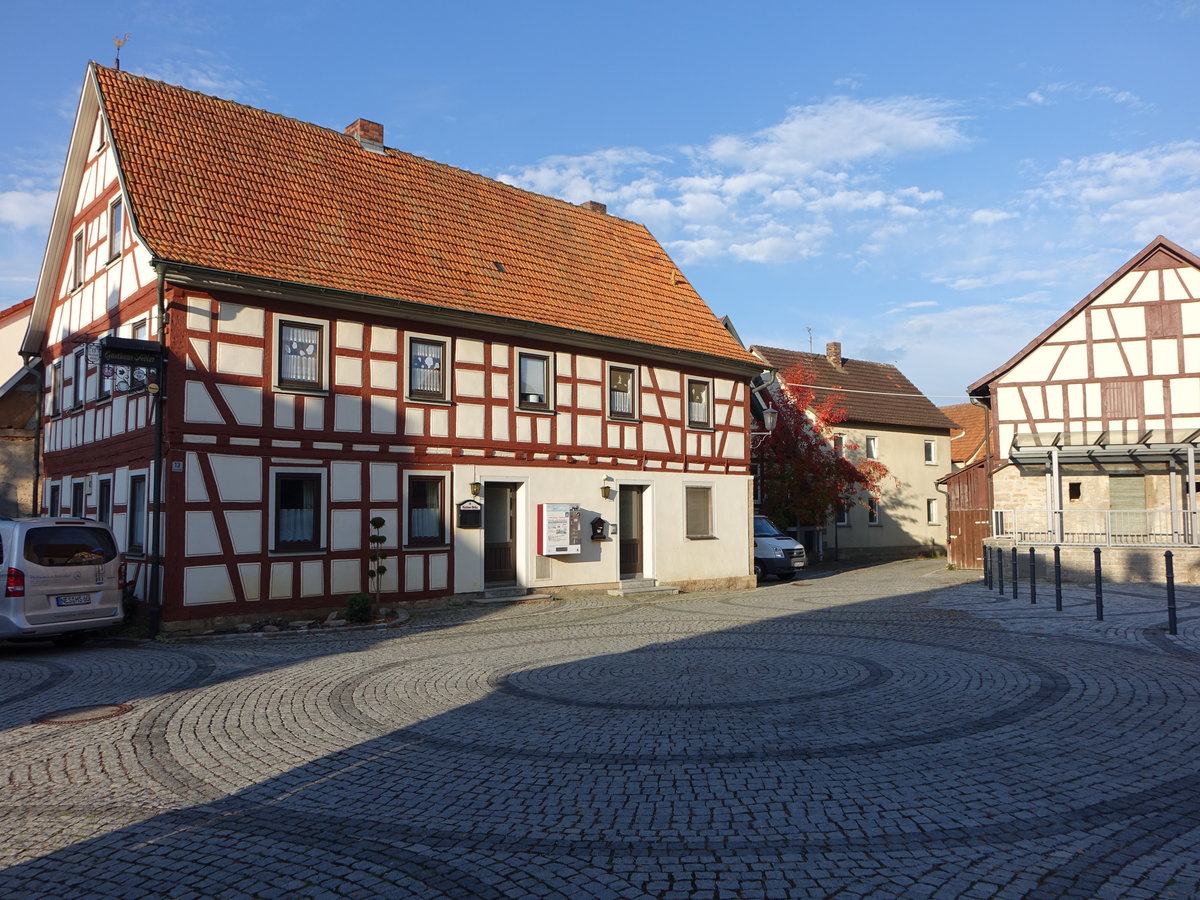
426	524
300	354
298	511
699	403
622	389
426	369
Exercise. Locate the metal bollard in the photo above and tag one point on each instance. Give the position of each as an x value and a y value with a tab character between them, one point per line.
1014	572
1000	570
1099	589
1032	577
1172	621
987	569
1057	579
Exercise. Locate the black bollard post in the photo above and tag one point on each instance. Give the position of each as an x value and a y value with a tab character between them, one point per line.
1032	577
987	568
1099	589
1014	572
1000	570
1057	579
1172	621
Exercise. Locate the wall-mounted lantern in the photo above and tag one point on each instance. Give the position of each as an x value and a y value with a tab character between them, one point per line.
475	488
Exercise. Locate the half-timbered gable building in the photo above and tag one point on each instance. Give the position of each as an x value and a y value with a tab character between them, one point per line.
348	332
1094	424
887	419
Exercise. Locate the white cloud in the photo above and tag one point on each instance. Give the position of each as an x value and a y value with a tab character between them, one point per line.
991	216
27	209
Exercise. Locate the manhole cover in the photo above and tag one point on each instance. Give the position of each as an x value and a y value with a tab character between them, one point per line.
77	715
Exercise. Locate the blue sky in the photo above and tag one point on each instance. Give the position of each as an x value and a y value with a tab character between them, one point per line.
931	184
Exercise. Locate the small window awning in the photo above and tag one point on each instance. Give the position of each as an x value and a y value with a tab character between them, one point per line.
1152	445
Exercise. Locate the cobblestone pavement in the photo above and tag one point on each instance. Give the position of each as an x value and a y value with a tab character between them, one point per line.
884	732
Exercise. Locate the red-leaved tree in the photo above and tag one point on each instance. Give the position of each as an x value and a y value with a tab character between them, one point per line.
802	479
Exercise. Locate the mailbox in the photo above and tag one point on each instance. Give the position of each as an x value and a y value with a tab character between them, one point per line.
599	529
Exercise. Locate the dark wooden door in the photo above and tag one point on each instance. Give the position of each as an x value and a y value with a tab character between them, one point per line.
499	533
629	532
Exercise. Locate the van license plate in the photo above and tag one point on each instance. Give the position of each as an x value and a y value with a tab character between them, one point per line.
73	600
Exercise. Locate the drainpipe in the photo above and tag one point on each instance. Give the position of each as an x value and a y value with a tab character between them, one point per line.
154	599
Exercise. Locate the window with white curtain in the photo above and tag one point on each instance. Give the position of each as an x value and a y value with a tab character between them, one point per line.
300	355
622	386
426	524
426	364
298	510
699	403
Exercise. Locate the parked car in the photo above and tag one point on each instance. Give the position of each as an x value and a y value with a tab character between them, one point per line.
62	579
775	553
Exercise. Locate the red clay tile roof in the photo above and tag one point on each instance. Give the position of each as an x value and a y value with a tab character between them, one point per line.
15	309
220	185
870	392
967	439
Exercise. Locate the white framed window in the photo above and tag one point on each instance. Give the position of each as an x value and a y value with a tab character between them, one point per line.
535	381
136	531
426	510
873	511
116	229
841	515
698	511
298	507
872	447
300	363
699	403
931	453
622	392
931	511
428	368
77	261
78	377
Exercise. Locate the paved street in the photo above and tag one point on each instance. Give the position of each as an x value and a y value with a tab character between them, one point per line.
887	731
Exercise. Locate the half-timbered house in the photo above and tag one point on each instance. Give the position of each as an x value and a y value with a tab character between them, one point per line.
1094	425
529	393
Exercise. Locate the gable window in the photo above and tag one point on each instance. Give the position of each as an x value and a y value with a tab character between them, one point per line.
116	230
873	511
137	515
77	261
699	403
300	354
533	385
698	512
426	524
426	368
872	447
931	511
298	511
930	453
622	384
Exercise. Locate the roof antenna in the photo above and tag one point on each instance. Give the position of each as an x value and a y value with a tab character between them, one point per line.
119	42
808	328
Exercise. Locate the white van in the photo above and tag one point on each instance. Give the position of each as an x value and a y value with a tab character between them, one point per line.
62	579
775	553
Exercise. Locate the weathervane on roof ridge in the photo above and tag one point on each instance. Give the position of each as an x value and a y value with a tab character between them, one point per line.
119	42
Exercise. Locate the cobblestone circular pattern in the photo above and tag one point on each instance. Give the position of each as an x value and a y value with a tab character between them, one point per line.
700	747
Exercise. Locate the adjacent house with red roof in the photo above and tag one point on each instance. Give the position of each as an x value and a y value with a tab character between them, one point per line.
528	393
1094	425
888	419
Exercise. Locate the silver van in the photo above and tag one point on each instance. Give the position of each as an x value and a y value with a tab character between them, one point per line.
62	579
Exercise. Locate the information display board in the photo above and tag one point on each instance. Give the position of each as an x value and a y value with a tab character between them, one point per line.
559	529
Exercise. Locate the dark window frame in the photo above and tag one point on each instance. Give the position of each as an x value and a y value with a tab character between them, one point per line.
706	384
116	229
632	372
313	541
300	384
422	394
547	379
78	253
438	539
137	514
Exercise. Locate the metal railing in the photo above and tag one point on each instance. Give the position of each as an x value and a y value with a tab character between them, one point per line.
1097	527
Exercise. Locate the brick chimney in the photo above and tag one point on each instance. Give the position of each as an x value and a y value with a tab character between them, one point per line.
367	133
594	206
833	353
